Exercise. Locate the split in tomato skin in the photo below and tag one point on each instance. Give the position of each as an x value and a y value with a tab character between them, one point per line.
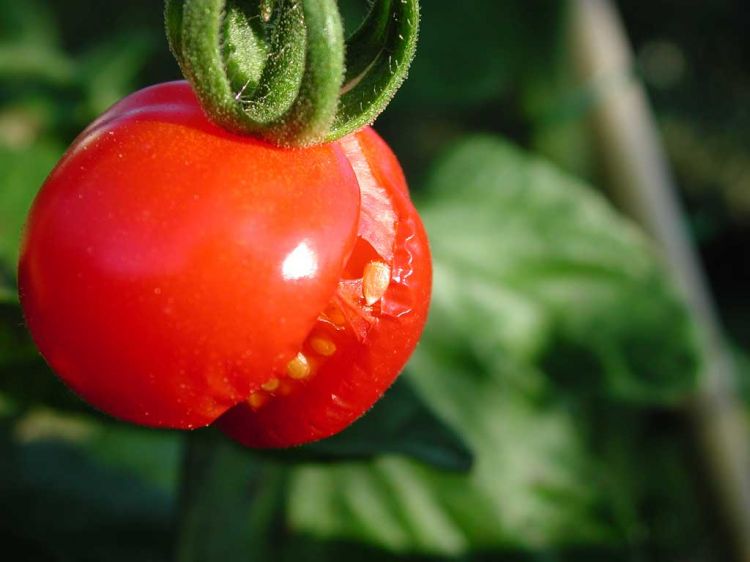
368	333
168	266
173	274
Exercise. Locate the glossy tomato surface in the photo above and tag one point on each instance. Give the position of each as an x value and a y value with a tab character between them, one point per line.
172	272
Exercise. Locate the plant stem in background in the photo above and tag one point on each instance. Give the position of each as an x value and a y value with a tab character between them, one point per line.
227	502
637	170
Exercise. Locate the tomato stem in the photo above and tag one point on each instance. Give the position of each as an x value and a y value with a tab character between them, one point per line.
277	70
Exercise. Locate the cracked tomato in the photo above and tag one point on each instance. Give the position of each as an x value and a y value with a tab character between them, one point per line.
174	274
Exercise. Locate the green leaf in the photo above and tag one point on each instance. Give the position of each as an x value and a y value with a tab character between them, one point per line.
532	481
557	275
24	171
546	302
149	454
66	504
7	292
109	72
400	423
30	22
32	61
29	43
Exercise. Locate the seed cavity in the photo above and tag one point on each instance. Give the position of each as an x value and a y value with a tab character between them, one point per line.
299	367
323	346
335	315
286	388
375	281
319	345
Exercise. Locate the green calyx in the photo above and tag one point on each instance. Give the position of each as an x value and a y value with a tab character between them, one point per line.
276	69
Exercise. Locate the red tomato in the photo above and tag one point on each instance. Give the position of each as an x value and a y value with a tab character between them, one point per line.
172	272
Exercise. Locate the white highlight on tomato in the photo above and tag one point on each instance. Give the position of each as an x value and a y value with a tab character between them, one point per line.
301	262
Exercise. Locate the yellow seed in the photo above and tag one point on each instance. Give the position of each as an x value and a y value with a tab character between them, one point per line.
375	281
271	385
299	367
323	346
257	399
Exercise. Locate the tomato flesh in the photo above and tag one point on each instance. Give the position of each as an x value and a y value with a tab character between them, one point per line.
171	270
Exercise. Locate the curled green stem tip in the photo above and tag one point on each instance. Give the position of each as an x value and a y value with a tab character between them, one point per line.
276	69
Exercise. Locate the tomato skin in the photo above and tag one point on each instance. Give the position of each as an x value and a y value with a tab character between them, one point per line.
169	269
357	376
158	273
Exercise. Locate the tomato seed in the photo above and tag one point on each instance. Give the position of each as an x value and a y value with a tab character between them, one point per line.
271	385
323	346
375	281
299	367
257	399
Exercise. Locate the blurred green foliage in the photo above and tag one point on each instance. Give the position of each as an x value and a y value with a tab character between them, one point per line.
557	356
543	306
